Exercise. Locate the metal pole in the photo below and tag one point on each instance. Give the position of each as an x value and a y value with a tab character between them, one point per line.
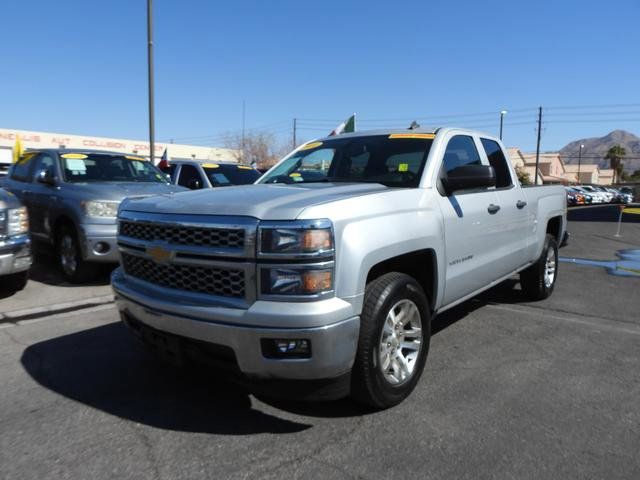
152	144
579	161
538	145
243	123
295	128
502	114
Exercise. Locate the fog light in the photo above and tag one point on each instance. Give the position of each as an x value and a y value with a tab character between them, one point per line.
101	247
286	348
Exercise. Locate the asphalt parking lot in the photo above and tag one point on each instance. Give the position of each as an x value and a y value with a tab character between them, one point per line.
511	390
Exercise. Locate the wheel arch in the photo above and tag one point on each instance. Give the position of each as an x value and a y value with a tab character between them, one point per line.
419	264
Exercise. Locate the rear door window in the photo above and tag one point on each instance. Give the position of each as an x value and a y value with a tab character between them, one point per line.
498	162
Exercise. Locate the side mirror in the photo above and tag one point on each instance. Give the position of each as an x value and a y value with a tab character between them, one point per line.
194	184
46	176
469	176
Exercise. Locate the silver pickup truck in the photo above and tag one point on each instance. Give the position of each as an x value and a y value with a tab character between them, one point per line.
327	272
15	243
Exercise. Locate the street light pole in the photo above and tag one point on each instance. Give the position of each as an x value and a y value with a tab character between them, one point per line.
152	144
502	114
579	160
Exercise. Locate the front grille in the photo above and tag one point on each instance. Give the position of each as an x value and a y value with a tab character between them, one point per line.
177	235
225	282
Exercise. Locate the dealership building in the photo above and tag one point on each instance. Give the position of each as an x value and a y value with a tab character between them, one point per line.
30	139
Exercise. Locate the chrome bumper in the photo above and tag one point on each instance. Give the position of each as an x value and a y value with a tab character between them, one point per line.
330	325
15	255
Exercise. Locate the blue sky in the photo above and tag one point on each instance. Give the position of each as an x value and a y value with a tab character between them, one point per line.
73	67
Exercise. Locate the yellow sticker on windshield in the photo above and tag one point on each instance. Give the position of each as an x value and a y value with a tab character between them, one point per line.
210	165
79	156
131	157
311	145
244	167
403	167
429	136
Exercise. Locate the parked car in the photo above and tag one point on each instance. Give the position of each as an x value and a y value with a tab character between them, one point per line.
195	175
596	196
333	282
628	191
574	197
72	197
15	244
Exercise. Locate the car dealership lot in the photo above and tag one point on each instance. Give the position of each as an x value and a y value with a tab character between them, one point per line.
511	389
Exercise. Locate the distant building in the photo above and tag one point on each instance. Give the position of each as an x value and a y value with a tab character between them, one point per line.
30	139
606	176
589	173
518	161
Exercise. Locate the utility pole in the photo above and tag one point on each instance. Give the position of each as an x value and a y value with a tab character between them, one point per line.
502	114
243	123
295	131
579	160
152	143
538	146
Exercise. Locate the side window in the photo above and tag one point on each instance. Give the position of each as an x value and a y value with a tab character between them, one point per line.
44	162
188	175
21	168
460	151
498	162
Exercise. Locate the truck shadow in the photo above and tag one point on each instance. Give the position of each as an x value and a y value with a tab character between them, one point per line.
107	369
45	270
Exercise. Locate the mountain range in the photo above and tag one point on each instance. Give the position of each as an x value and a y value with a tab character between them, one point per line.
595	149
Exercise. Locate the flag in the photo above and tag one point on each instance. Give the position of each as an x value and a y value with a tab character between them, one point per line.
348	126
17	149
164	161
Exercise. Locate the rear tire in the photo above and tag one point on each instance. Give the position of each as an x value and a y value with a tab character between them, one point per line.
15	282
69	256
395	329
539	279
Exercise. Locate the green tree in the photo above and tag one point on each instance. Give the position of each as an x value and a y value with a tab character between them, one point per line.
523	176
615	155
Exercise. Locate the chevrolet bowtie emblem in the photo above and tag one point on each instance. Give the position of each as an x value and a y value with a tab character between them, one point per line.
160	254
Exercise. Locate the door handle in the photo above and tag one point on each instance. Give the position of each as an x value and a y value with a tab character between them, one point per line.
493	208
521	204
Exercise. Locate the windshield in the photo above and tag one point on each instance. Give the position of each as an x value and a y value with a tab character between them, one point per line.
81	167
226	175
393	160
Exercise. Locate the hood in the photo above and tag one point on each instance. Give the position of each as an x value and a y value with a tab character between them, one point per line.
8	200
118	190
265	202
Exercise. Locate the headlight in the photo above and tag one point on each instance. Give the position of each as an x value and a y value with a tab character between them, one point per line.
17	221
304	238
101	208
303	280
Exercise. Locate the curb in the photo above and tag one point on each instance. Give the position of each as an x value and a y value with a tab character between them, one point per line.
37	312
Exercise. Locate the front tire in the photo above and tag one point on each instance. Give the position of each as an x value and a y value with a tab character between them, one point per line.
395	329
538	280
69	256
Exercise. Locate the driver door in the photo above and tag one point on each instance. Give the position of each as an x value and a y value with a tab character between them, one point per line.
42	197
471	230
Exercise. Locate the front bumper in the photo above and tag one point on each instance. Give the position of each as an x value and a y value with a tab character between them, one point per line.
329	325
93	234
15	255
